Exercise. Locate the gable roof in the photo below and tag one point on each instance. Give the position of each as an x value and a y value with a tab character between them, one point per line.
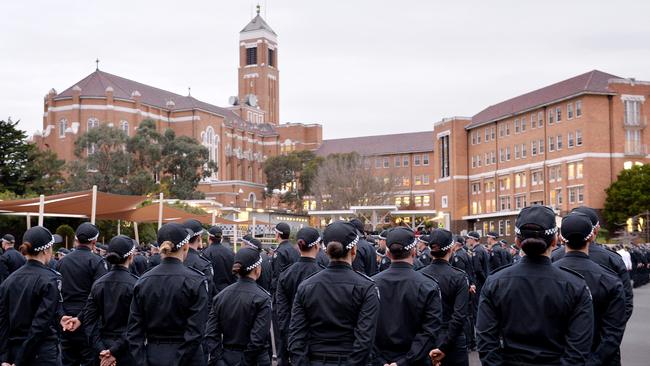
593	82
379	145
95	84
257	23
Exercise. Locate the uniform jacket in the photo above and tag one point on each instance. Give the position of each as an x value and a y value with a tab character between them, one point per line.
222	259
80	269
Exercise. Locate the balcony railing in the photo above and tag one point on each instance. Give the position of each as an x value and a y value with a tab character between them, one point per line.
640	123
635	149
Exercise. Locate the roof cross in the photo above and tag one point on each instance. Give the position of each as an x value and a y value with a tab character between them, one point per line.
97	62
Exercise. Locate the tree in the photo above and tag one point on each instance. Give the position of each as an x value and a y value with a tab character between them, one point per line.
14	157
296	169
343	180
44	172
628	196
67	233
145	148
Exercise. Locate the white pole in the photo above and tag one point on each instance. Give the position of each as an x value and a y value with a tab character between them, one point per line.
234	237
253	231
93	209
118	226
29	221
135	231
41	209
214	218
160	211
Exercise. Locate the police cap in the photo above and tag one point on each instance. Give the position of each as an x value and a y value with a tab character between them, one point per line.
10	238
122	245
539	221
87	232
402	236
459	239
58	239
590	212
39	238
474	235
342	232
215	231
382	235
175	233
283	229
576	226
492	235
358	225
440	240
309	236
195	226
249	258
252	242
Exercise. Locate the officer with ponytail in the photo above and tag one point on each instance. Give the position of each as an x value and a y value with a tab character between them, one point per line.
107	310
533	313
240	319
30	306
169	307
335	311
308	240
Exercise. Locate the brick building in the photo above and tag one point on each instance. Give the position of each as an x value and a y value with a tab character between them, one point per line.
239	137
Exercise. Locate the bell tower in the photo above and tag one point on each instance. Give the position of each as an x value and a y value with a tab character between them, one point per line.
258	72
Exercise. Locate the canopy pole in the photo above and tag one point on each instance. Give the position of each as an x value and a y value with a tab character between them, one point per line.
135	232
119	222
214	218
234	237
93	209
29	221
160	210
253	230
41	209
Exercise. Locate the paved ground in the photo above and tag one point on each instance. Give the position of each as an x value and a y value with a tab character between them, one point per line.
635	350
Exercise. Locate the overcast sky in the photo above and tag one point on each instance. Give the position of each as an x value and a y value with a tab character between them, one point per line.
357	67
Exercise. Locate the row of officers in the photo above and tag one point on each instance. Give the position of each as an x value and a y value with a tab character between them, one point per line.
183	312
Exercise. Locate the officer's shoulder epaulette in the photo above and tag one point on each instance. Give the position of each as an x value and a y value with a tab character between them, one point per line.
321	267
364	276
263	289
196	271
608	270
428	276
202	256
567	269
55	272
501	268
310	276
134	276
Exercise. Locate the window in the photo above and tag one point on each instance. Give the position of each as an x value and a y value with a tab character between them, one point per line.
398	161
540	119
425	159
501	131
508	227
579	166
504	183
473	161
418	180
504	203
520	202
473	138
551	144
569	140
478	137
569	111
541	146
533	148
444	201
537	178
493	130
533	120
507	129
406	181
487	159
405	160
578	108
426	200
416	160
501	155
493	154
516	152
124	126
418	201
500	227
632	112
579	138
251	56
478	161
386	163
63	125
377	163
476	188
517	126
576	194
523	151
550	117
92	123
271	57
508	153
425	179
559	142
523	124
571	169
558	114
444	156
487	134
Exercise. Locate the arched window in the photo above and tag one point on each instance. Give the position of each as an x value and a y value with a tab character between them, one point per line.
252	199
124	126
92	123
211	142
63	125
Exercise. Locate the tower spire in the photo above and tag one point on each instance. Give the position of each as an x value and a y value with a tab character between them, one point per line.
258	8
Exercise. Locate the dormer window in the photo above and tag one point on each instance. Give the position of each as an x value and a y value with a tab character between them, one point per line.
251	56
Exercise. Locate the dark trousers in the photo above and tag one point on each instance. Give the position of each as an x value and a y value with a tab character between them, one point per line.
165	354
47	354
236	358
457	353
75	350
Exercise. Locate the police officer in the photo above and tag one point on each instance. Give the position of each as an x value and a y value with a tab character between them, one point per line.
285	254
384	261
463	261
480	259
365	261
533	313
194	258
516	253
222	259
154	258
169	307
410	309
498	256
308	240
139	263
267	272
606	289
454	287
424	253
605	258
11	259
321	257
30	306
335	311
80	269
238	326
107	310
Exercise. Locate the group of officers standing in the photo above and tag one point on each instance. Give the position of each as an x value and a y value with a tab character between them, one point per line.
555	298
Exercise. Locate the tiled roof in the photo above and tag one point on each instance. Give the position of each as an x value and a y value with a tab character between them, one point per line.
257	23
95	84
591	82
379	145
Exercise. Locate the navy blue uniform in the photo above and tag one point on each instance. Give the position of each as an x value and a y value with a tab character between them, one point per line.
222	259
168	316
139	265
609	306
410	316
10	261
285	255
238	326
533	313
425	257
107	313
195	260
153	261
481	262
284	295
322	258
266	278
463	261
30	310
80	269
334	318
366	259
454	288
499	257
